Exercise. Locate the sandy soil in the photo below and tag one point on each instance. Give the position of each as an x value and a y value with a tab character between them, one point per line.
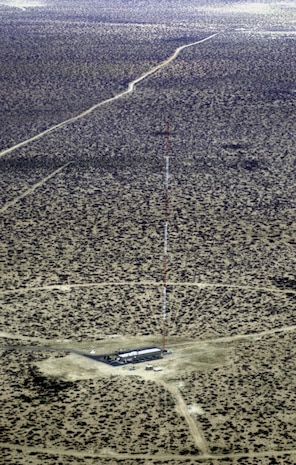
82	227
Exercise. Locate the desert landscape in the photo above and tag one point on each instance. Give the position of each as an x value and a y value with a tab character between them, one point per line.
86	93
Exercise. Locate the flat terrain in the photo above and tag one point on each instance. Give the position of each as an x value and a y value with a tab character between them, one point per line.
82	234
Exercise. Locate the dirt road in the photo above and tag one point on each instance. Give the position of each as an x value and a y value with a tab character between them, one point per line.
108	453
183	410
129	90
33	188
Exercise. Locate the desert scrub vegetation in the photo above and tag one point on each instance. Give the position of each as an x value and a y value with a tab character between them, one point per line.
127	415
248	405
54	69
90	312
99	219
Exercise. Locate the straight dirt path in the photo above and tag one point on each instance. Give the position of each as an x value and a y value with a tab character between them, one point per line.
190	342
108	453
267	332
201	285
181	407
33	188
129	90
236	337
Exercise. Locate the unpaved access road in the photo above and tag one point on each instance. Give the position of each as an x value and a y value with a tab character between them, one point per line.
129	90
200	285
108	453
196	433
33	188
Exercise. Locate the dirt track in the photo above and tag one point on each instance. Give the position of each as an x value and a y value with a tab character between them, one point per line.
201	285
32	188
129	90
195	431
154	457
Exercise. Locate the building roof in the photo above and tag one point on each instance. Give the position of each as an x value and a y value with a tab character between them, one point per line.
138	353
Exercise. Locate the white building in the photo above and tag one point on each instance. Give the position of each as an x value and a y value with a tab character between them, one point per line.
153	353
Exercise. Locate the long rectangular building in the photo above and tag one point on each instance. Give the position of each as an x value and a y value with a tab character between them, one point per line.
151	353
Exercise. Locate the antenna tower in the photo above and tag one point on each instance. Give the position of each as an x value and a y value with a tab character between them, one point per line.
166	222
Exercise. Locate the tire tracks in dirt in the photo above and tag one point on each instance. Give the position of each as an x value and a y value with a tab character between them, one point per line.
129	90
181	407
29	191
201	285
108	453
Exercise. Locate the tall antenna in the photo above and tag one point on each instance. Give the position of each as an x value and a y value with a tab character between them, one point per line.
166	222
